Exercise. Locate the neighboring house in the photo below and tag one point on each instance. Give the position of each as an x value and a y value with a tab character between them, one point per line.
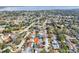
55	44
77	36
77	46
6	38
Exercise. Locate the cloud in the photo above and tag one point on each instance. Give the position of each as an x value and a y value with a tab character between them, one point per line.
19	8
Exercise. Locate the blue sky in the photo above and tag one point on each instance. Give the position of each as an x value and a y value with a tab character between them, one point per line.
17	8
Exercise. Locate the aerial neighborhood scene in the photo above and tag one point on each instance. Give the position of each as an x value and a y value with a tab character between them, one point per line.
39	29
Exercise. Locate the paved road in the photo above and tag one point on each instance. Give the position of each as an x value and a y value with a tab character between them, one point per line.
44	24
26	29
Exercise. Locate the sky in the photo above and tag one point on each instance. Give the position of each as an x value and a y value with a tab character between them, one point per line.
19	8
